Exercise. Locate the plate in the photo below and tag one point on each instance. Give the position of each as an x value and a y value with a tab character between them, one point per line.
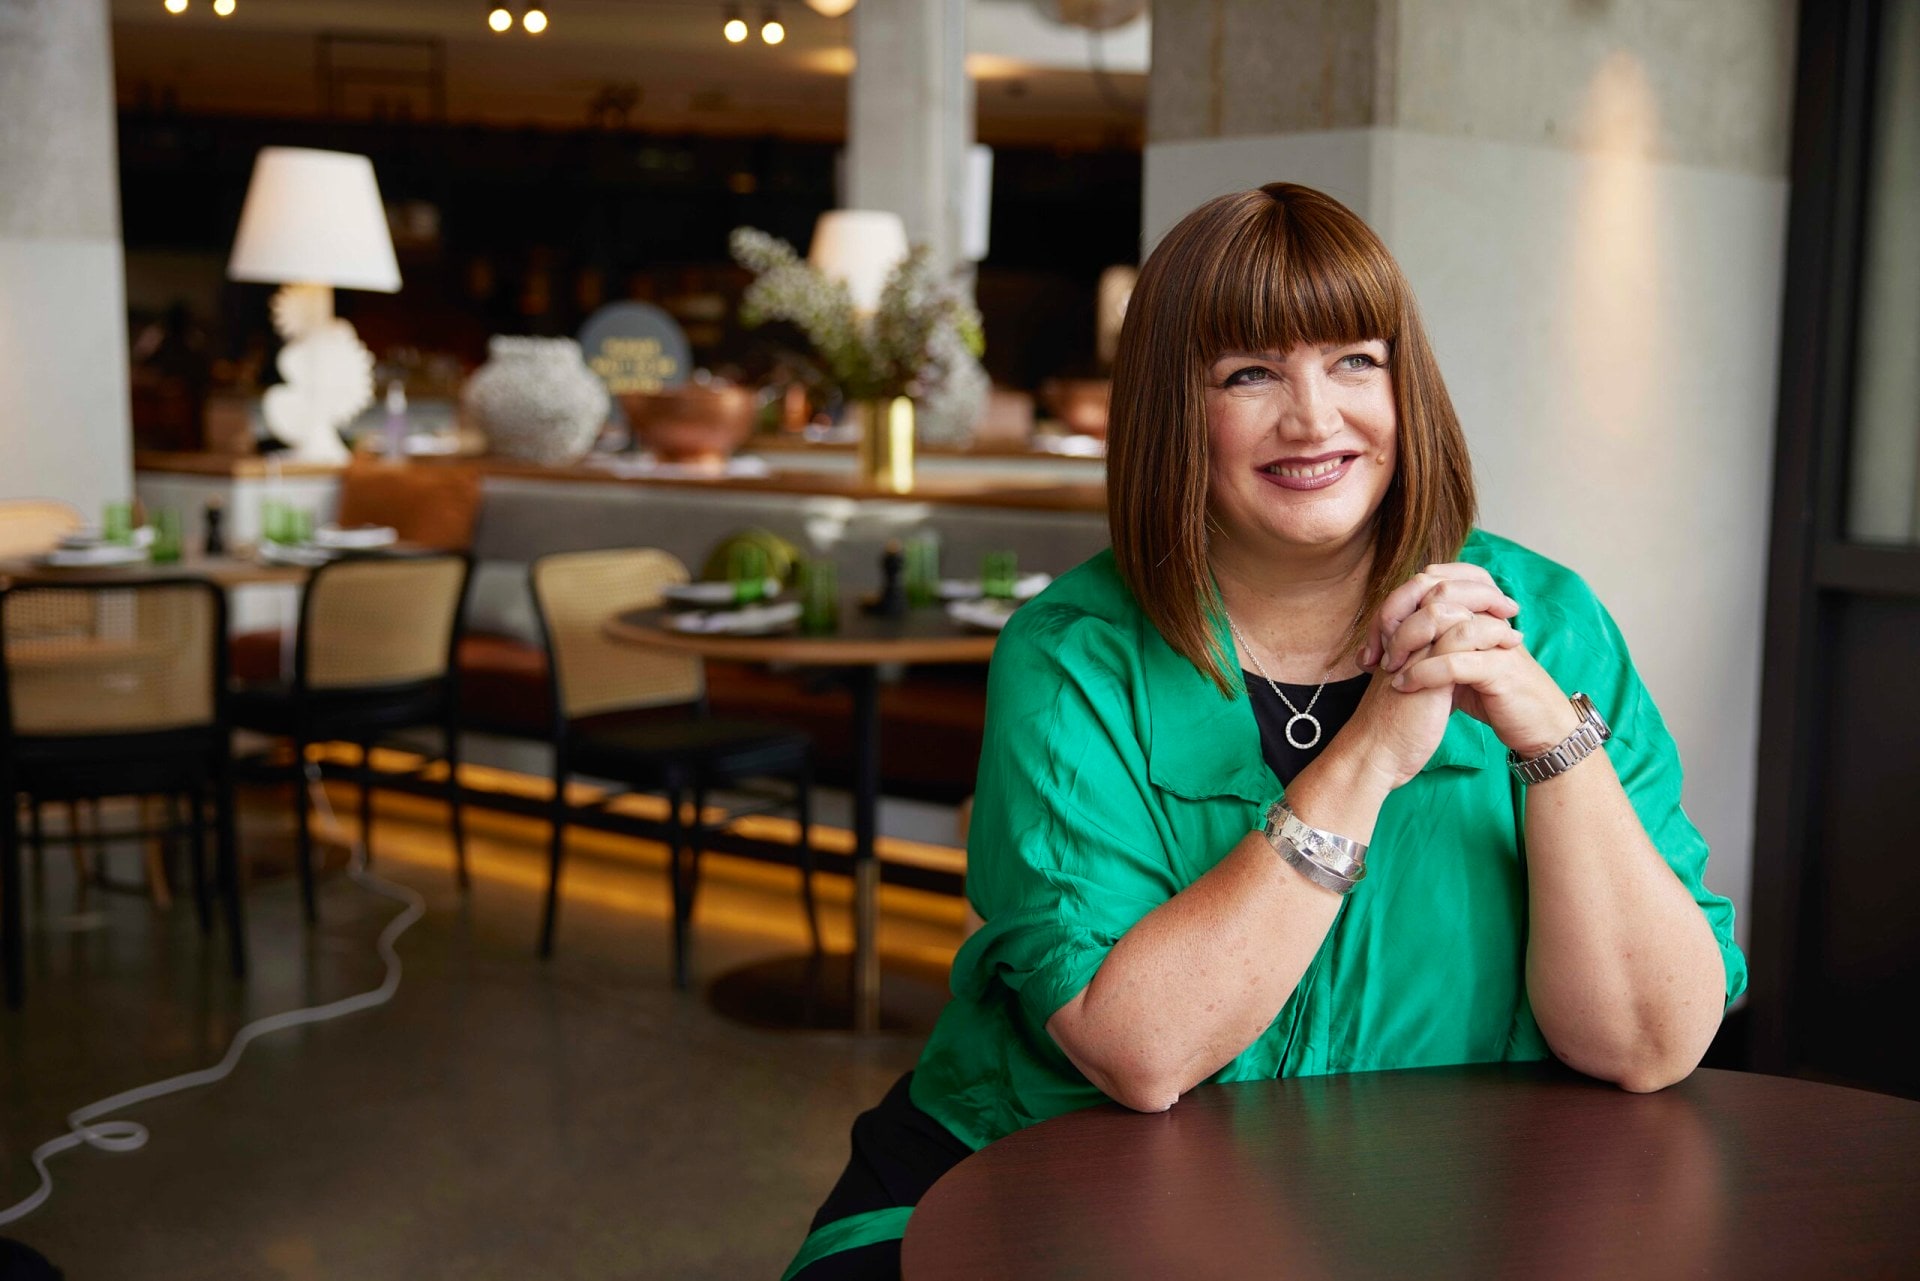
1026	587
710	594
987	615
355	537
97	556
302	554
749	620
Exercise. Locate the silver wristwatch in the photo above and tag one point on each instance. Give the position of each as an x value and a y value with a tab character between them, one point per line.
1570	751
1331	861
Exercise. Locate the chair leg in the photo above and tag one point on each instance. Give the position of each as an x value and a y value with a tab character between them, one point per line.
227	859
365	779
303	831
39	853
82	865
197	850
154	853
13	951
694	832
456	814
682	901
803	812
557	848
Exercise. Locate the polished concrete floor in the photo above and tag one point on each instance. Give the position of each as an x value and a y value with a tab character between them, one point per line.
500	1118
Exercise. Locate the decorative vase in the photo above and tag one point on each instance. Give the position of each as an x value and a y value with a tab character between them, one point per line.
536	400
886	443
695	425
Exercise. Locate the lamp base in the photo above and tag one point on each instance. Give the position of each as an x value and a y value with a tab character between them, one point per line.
327	373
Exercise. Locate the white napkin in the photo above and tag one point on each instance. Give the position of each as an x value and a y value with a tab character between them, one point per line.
356	537
751	620
1025	587
989	615
97	555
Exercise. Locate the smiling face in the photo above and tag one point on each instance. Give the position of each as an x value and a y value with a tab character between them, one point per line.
1302	446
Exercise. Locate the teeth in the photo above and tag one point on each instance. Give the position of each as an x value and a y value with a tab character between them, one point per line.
1308	472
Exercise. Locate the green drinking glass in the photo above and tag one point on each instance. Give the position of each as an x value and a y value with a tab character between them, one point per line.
921	572
998	570
747	571
819	597
167	540
116	524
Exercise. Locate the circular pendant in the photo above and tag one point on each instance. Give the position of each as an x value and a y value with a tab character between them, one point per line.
1311	742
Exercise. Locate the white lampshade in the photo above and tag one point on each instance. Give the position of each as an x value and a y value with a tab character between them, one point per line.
861	247
314	218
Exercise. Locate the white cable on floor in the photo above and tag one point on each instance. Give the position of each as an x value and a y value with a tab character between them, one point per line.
129	1136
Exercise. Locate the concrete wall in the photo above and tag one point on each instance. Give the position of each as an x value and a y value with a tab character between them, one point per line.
1590	202
64	417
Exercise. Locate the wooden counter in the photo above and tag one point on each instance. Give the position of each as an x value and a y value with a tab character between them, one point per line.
981	489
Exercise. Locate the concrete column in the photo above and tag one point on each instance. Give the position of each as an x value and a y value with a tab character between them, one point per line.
1590	202
910	117
65	429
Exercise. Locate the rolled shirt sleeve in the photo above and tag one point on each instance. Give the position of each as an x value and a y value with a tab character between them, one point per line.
1068	850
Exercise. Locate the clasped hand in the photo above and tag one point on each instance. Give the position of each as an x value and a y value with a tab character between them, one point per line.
1445	639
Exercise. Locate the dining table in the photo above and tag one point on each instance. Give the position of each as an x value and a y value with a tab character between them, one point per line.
855	653
225	571
1501	1170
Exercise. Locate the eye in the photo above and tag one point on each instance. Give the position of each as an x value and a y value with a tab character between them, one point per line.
1251	375
1357	362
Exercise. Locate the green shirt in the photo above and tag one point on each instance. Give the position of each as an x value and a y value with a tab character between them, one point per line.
1114	775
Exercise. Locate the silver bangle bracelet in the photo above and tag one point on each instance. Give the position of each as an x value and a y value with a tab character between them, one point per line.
1342	862
1325	878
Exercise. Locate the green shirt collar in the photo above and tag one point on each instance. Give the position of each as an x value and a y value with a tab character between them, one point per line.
1203	745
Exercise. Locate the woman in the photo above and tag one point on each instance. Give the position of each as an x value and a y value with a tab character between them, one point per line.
1296	608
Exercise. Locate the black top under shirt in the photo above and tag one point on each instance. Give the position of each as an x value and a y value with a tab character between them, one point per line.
1335	708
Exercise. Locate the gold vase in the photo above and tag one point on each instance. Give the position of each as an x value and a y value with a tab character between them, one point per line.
886	443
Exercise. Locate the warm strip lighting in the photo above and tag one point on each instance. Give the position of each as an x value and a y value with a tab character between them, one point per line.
772	32
535	22
500	20
735	31
176	6
223	8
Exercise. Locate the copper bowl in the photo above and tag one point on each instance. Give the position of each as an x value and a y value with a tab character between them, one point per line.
1080	403
692	424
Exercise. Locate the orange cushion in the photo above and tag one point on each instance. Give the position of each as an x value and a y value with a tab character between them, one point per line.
429	504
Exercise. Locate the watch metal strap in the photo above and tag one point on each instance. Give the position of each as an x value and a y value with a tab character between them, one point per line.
1586	738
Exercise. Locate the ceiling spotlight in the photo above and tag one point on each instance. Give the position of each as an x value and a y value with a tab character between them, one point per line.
500	19
771	31
535	21
735	29
176	6
223	8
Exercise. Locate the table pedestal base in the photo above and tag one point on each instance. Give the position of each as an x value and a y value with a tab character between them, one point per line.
815	992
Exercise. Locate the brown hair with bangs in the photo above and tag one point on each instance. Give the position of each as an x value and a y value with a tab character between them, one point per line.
1266	270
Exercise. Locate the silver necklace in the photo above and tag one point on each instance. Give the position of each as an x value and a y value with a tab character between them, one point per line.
1299	714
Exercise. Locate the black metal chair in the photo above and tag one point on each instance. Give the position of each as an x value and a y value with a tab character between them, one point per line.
116	690
374	655
639	718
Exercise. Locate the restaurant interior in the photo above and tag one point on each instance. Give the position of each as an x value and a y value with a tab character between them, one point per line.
506	509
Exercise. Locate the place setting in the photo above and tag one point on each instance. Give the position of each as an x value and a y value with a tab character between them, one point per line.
748	602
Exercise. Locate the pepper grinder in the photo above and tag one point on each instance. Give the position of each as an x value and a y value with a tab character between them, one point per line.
892	600
214	536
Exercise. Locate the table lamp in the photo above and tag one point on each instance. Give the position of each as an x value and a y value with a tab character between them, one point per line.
861	247
313	222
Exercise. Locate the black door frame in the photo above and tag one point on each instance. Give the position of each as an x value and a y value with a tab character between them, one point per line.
1811	565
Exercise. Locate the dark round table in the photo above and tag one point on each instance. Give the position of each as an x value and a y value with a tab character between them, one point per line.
856	650
1524	1170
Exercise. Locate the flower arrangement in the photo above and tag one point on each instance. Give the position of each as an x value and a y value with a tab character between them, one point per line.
923	341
